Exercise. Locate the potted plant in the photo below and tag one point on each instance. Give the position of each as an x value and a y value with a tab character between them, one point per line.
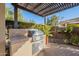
47	32
46	29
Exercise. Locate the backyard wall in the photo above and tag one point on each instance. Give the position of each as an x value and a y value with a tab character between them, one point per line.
58	37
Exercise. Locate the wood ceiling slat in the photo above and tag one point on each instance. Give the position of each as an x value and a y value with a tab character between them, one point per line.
59	9
25	5
54	10
23	8
37	6
66	6
44	9
56	6
31	6
50	7
42	6
50	4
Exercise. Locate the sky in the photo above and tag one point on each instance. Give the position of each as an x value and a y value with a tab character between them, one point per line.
63	15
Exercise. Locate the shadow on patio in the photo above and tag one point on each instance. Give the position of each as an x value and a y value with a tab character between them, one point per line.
55	49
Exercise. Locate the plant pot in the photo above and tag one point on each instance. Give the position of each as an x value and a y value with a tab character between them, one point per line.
46	40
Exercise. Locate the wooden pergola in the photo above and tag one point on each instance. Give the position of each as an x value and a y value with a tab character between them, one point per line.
41	9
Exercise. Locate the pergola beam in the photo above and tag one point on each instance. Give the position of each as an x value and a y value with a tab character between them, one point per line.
23	8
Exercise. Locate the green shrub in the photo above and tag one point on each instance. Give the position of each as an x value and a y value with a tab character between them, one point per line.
69	29
75	39
74	25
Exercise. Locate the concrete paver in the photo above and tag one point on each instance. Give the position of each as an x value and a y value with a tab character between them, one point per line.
60	50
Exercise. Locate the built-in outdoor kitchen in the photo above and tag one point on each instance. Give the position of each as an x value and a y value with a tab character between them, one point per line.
25	42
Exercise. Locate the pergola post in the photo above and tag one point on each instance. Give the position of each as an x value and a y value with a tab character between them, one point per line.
45	21
15	17
2	29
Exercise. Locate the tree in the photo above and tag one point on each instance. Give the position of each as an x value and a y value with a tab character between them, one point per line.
47	32
20	16
53	21
9	14
32	21
48	21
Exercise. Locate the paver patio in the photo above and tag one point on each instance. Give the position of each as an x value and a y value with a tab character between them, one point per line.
60	50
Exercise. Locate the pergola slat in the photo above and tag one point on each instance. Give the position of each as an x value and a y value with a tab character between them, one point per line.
56	8
44	9
67	6
36	6
42	6
47	9
24	8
